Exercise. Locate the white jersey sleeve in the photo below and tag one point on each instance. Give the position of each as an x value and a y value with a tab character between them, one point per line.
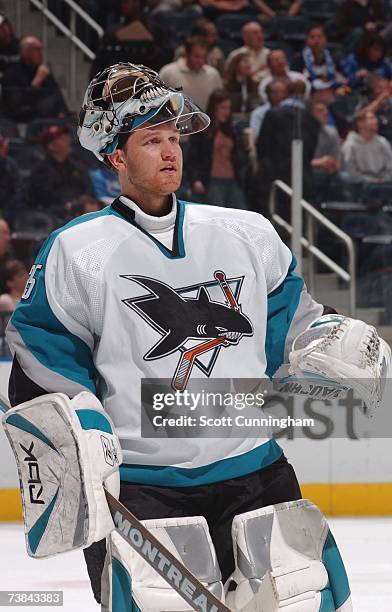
51	332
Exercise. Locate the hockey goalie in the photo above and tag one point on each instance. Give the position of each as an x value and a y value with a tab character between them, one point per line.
156	287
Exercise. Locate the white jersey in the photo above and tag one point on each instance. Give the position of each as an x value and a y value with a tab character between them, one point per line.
118	296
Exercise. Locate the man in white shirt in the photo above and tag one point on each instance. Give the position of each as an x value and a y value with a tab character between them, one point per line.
192	73
253	37
278	67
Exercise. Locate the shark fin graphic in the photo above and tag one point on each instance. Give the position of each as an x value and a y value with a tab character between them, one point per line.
169	343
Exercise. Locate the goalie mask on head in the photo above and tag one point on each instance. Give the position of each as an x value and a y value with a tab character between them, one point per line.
124	98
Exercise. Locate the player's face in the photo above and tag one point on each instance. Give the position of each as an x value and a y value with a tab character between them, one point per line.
153	159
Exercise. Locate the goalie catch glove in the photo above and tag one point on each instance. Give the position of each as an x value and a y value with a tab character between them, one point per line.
344	350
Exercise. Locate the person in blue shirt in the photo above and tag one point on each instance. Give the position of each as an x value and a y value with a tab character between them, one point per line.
369	58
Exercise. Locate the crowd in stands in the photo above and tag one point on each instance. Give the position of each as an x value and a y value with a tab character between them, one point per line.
262	69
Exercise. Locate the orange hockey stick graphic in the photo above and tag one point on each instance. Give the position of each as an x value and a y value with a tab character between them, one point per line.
185	364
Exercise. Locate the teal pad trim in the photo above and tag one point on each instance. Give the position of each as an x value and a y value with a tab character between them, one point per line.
282	305
336	571
122	600
91	419
327	602
21	423
225	469
318	323
38	529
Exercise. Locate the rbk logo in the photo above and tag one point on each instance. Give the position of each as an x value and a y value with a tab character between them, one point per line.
34	480
187	315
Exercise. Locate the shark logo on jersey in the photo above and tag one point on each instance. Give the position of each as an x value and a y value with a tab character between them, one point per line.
187	315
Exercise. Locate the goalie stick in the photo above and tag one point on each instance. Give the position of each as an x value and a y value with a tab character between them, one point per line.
156	554
186	362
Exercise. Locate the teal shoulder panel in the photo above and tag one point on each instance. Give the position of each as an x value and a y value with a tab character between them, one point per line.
48	340
282	305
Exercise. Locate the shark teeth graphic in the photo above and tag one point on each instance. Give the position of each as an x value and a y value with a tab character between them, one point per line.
231	335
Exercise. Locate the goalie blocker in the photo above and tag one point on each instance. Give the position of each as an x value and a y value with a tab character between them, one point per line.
65	450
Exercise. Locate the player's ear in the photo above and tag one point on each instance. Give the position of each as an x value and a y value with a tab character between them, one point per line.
117	159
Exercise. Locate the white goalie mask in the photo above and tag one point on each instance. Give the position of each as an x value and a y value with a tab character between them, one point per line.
124	98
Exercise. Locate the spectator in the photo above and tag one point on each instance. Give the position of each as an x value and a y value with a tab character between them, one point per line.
14	277
9	45
274	141
105	183
278	68
217	158
323	91
276	91
316	62
327	162
5	242
208	30
29	88
354	17
12	192
369	58
238	81
253	38
367	155
380	102
57	179
192	73
327	156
